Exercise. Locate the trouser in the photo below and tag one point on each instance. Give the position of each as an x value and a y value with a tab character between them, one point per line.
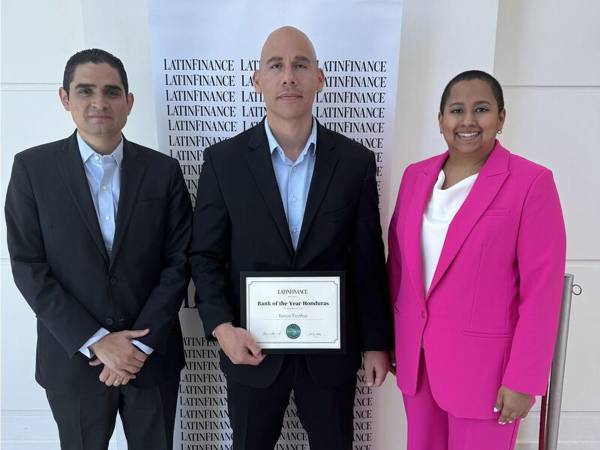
432	428
257	414
86	421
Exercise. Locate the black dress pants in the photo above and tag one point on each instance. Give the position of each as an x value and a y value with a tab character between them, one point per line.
257	414
87	421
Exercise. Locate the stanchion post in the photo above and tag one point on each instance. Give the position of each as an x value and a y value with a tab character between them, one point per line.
558	367
542	431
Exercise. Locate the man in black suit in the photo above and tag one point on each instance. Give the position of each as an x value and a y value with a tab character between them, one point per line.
98	232
290	195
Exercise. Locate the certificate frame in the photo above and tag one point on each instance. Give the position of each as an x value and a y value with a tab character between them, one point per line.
298	348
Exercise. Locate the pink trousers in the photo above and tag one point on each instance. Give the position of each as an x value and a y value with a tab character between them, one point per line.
432	428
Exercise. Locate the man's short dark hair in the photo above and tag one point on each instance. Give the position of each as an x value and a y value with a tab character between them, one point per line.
474	75
96	56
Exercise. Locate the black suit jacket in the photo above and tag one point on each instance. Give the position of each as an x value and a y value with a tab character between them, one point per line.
240	225
61	266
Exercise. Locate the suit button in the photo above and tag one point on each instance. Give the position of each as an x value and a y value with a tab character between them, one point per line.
121	322
113	280
109	321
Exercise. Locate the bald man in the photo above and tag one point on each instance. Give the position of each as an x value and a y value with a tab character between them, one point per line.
290	195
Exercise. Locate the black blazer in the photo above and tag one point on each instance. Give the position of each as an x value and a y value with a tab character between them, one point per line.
240	225
61	266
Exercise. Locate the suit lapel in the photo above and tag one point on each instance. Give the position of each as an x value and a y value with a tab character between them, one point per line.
414	221
259	162
132	173
491	177
73	172
325	163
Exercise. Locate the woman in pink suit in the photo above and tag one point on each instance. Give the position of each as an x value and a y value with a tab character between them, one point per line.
476	263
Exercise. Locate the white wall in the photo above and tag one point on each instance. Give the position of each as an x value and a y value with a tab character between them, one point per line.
545	52
548	59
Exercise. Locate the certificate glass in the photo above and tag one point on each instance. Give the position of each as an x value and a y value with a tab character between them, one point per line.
294	312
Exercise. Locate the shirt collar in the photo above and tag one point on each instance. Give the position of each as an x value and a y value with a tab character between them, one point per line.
311	143
87	152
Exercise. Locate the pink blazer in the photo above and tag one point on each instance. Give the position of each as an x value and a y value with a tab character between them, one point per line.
491	314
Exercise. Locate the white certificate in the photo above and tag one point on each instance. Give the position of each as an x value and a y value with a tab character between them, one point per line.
295	311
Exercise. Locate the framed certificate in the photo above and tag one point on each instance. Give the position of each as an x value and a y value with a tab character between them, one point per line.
295	312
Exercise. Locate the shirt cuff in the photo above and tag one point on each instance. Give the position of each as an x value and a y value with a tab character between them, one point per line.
143	347
85	348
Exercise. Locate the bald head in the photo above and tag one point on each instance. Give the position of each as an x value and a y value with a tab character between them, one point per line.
284	37
288	78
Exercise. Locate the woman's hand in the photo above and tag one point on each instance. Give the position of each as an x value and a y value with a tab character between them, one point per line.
512	405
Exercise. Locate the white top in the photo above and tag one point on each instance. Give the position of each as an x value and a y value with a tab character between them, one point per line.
443	205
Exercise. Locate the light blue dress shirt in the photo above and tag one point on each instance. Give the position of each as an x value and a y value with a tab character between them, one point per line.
293	178
103	173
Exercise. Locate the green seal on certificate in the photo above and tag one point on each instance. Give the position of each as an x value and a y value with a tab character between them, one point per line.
293	331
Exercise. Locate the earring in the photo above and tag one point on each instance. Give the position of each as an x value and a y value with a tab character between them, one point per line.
499	132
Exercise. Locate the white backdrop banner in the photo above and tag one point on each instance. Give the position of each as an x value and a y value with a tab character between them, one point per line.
203	57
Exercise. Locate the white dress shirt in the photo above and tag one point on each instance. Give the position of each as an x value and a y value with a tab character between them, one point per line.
441	209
